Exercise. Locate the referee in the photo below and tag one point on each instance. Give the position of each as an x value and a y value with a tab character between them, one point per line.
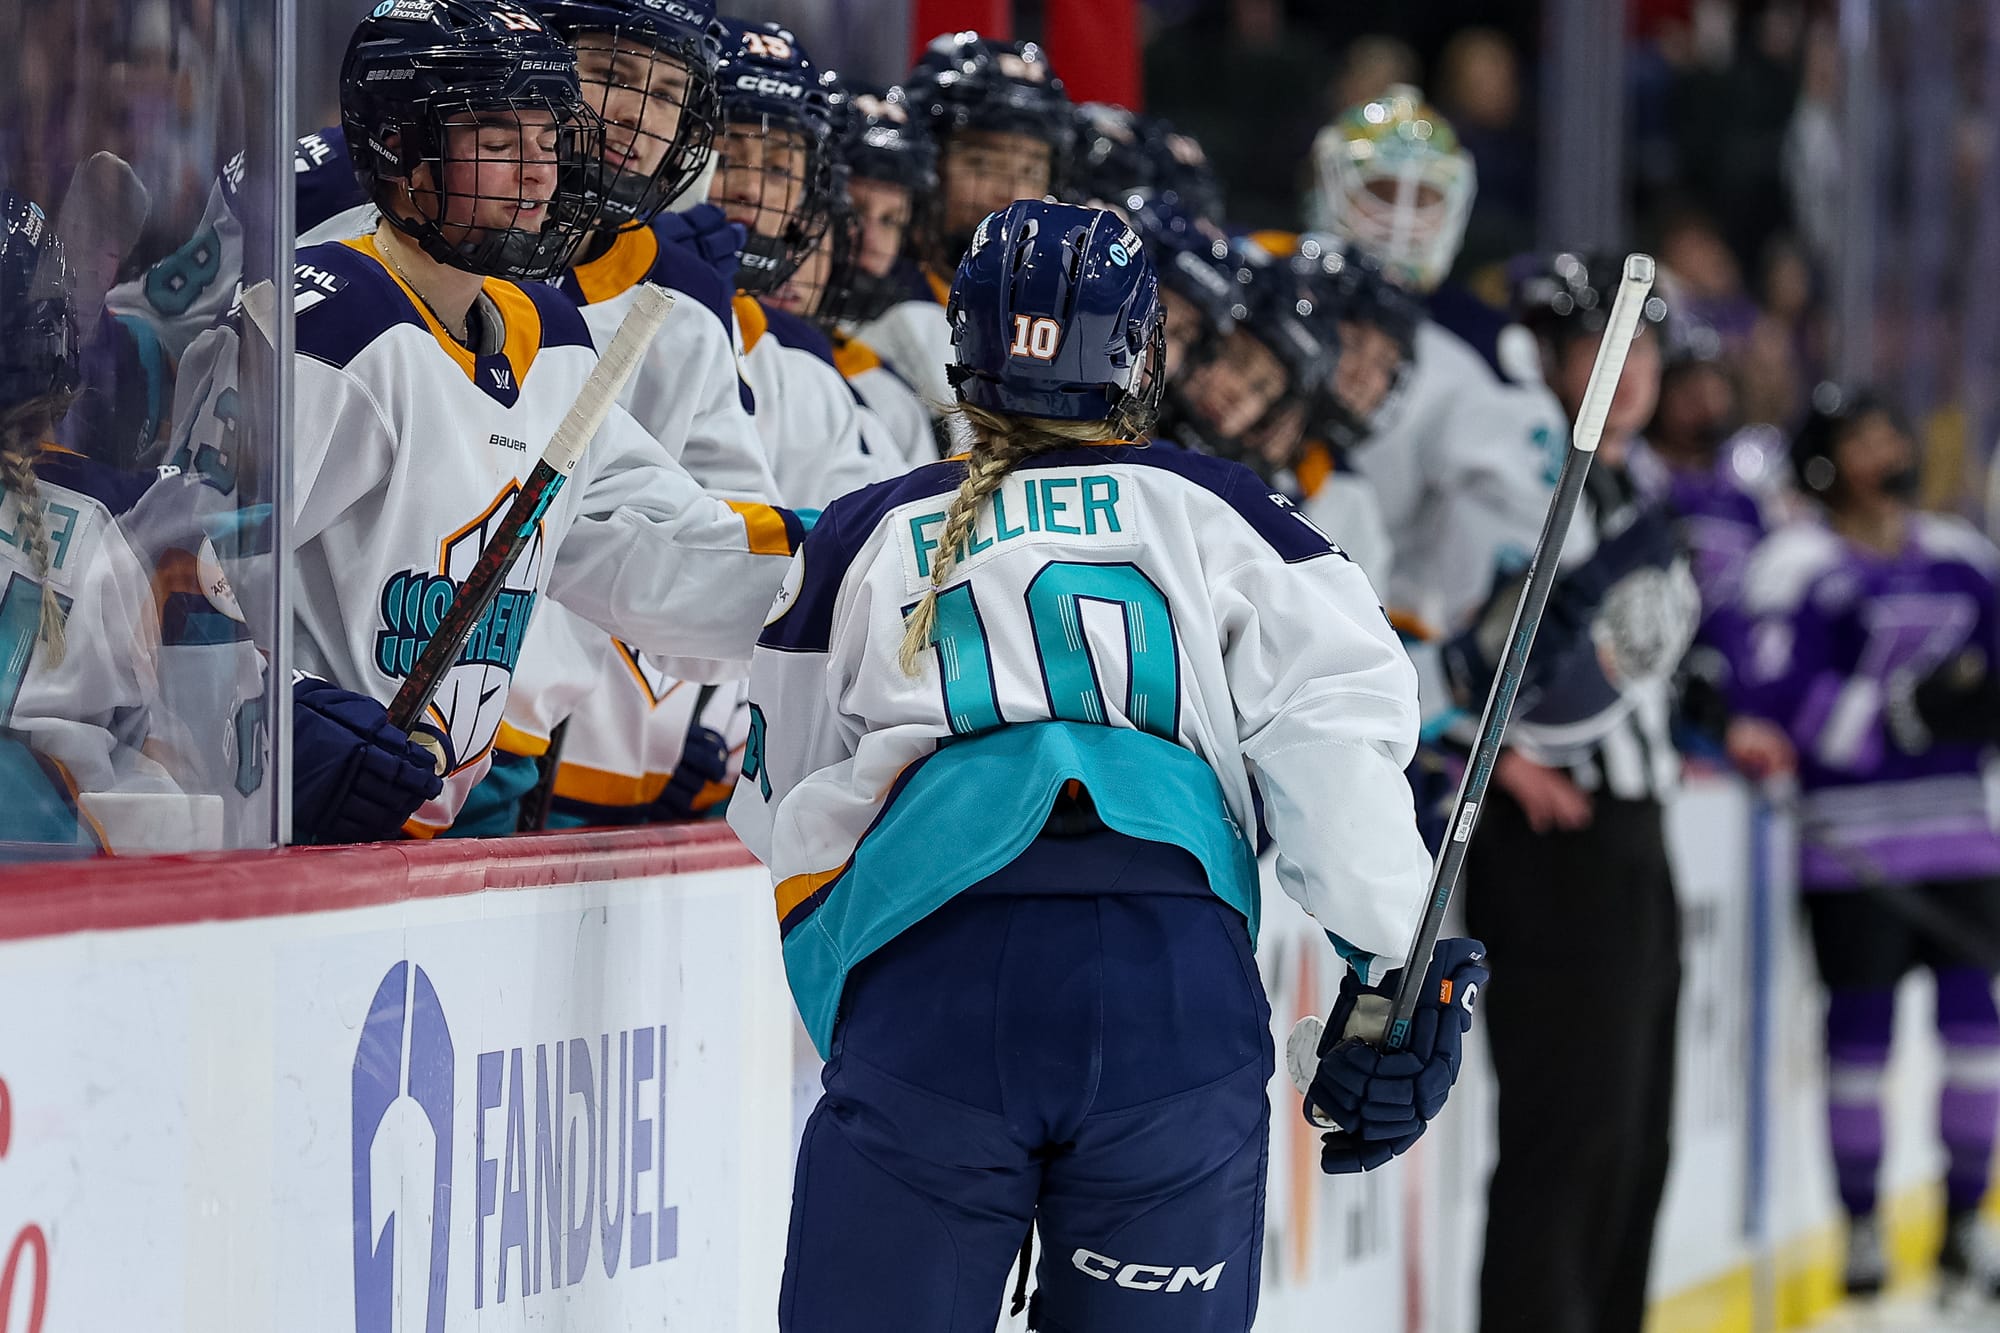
1568	880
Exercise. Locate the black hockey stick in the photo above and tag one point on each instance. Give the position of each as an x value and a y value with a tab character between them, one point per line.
1302	1049
534	816
489	573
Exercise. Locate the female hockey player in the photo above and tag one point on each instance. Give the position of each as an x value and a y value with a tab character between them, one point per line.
432	369
1865	628
1007	718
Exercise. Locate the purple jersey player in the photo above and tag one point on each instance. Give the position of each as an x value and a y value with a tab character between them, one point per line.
1851	620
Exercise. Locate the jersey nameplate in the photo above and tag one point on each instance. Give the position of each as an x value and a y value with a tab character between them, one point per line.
1065	506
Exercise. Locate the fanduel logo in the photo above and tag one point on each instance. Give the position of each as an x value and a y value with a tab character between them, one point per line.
1145	1277
591	1192
402	1137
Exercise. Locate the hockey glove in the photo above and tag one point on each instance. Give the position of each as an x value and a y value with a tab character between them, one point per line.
355	778
1957	702
704	759
1383	1101
714	239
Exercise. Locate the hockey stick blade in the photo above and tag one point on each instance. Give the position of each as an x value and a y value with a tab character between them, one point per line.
472	598
101	216
1637	282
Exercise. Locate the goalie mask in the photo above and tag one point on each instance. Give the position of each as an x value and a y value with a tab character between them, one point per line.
647	68
468	130
1390	177
774	170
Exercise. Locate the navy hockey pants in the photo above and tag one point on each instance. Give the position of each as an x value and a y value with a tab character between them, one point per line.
1082	1040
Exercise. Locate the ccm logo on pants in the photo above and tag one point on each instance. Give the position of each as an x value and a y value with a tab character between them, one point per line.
1145	1277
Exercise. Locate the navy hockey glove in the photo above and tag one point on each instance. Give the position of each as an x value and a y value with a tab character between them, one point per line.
714	239
1383	1101
355	778
704	759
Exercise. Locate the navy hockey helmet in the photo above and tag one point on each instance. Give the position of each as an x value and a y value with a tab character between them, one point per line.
1567	295
1196	271
878	142
40	346
424	85
1373	324
1111	159
1180	167
775	171
1055	313
1836	412
648	70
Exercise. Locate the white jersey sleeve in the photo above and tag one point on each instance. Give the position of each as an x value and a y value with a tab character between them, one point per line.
1346	509
915	340
808	418
1151	623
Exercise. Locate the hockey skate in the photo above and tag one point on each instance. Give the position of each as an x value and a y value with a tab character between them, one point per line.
1968	1266
1867	1270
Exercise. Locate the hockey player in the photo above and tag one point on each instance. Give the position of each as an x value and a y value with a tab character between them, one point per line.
892	182
431	368
1007	719
1001	122
1569	871
1464	461
1866	629
775	177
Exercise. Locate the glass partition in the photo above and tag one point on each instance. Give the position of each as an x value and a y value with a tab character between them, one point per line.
145	156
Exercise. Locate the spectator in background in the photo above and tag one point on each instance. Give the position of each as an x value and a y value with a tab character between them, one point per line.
1479	88
1812	148
1372	65
1711	278
1247	86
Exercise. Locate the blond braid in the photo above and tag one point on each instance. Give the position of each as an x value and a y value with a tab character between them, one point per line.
20	433
1001	443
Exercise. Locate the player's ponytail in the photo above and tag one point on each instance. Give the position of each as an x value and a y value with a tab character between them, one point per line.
1000	443
21	432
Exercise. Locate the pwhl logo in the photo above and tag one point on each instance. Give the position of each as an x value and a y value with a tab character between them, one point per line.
594	1178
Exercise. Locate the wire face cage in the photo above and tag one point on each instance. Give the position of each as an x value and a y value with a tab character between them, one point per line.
504	187
659	106
774	177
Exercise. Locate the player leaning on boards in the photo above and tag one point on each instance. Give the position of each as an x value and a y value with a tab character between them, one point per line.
432	368
1007	718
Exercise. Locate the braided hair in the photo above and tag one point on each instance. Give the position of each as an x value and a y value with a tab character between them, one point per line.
1001	442
22	429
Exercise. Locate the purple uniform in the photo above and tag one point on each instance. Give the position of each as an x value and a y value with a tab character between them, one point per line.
1832	625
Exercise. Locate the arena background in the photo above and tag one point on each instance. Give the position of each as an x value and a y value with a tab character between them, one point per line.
198	1129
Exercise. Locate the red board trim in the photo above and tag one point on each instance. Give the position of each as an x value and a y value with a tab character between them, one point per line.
62	899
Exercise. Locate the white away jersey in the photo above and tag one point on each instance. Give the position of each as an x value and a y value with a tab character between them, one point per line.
914	338
1148	622
905	420
409	448
808	417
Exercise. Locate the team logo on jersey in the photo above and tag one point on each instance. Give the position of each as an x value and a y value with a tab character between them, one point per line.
655	681
413	603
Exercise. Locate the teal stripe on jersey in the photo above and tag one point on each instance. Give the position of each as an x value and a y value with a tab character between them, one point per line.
974	806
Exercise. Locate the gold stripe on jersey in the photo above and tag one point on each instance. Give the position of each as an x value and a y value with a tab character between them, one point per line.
518	316
619	269
1277	244
765	527
750	320
940	286
853	357
798	888
1315	465
513	740
597	786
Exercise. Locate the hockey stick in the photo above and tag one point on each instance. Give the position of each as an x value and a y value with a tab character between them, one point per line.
1301	1049
558	461
99	221
534	816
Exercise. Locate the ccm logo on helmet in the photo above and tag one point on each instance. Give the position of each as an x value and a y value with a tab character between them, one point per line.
1145	1277
766	86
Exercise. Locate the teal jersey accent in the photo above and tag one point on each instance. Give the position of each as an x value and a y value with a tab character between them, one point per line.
493	808
971	808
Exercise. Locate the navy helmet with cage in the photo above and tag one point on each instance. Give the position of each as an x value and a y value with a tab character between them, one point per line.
423	77
1110	157
776	162
1055	313
1342	290
1180	167
881	141
1193	257
648	69
875	139
40	346
1566	295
